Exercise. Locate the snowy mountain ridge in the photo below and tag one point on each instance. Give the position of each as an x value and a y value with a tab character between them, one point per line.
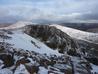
17	25
77	34
43	49
74	33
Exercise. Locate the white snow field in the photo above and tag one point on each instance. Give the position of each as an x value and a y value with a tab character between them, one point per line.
23	41
77	34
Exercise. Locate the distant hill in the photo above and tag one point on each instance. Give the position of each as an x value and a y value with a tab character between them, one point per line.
81	26
95	30
4	24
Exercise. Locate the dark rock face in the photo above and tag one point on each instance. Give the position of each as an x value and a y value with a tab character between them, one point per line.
32	69
89	51
22	61
92	60
52	37
7	59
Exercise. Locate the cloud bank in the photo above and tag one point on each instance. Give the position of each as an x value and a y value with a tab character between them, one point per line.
49	10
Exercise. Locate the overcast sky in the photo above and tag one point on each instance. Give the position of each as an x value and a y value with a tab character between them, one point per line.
49	10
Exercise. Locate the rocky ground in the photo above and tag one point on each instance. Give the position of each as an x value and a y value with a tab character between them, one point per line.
73	57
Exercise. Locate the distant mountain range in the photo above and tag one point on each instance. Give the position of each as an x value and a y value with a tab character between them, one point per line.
89	27
82	26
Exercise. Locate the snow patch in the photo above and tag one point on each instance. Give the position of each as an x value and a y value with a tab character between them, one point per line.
43	70
21	70
94	68
5	71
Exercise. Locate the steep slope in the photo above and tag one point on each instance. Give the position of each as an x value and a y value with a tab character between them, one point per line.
21	40
77	34
52	37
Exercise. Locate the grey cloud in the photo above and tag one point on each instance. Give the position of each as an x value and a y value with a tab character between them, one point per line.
51	10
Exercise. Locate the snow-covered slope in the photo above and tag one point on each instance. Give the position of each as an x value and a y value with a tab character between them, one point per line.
30	53
17	25
77	34
74	33
26	42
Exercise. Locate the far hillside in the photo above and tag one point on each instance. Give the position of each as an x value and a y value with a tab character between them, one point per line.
4	24
90	27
